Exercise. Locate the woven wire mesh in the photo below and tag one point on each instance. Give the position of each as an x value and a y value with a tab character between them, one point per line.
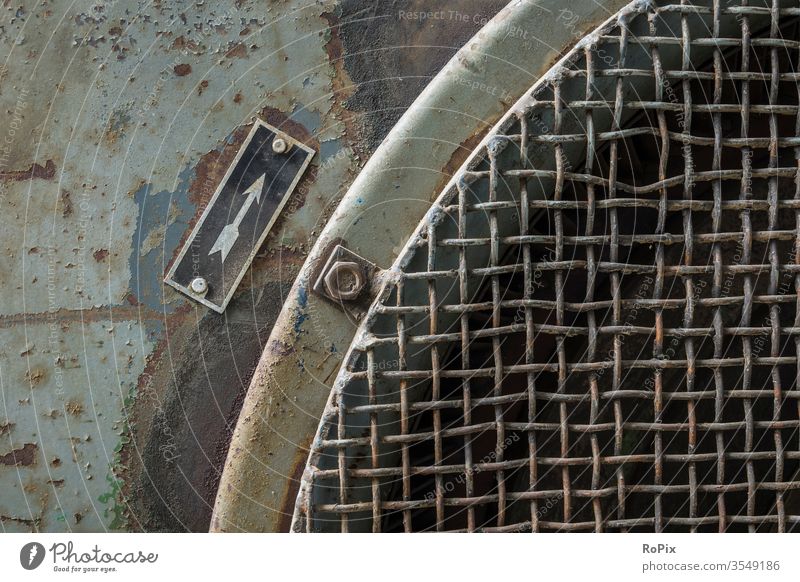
597	326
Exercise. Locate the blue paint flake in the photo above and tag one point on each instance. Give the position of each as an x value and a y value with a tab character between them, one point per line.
147	272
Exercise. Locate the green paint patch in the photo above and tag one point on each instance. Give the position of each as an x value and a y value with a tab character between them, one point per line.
114	499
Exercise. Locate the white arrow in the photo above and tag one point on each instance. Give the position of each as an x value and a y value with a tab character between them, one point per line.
230	233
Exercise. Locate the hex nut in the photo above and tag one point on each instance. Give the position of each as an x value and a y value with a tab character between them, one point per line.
279	145
345	280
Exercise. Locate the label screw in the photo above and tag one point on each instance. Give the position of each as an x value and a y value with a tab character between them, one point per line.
198	285
279	145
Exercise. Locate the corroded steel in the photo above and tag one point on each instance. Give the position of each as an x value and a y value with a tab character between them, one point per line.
281	412
597	325
117	125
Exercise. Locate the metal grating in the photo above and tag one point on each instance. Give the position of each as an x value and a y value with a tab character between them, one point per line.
597	327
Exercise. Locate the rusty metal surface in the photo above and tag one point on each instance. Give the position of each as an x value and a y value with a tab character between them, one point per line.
379	212
119	394
596	325
117	127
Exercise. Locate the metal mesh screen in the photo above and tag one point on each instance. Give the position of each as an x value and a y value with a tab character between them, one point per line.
596	328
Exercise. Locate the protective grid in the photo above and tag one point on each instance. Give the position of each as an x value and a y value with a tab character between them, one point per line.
597	325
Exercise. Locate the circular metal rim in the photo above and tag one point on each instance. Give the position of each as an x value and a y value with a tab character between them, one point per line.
411	248
269	448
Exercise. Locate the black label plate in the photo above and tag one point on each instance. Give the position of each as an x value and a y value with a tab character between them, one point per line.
239	216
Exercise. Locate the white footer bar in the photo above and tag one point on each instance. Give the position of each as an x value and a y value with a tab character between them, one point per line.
386	558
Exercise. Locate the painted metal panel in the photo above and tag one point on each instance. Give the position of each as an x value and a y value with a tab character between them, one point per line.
117	127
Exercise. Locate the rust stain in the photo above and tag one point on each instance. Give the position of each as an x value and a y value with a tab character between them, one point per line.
66	203
100	254
25	456
32	523
237	98
181	43
111	137
290	497
35	375
56	482
276	260
74	408
211	168
588	29
298	131
182	69
280	348
149	388
459	156
238	51
6	428
46	172
342	86
92	314
202	87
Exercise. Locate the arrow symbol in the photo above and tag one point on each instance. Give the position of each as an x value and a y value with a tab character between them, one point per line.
230	233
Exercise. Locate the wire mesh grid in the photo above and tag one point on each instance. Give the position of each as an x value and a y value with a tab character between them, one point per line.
597	326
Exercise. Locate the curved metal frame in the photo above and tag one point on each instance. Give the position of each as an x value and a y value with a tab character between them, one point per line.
367	339
396	188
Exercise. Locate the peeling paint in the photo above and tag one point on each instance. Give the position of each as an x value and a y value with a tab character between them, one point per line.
22	457
36	171
164	218
66	426
182	69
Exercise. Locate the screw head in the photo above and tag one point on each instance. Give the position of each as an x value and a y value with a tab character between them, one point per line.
279	145
198	285
344	280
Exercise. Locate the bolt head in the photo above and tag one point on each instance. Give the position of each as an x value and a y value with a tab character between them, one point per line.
279	145
345	280
198	285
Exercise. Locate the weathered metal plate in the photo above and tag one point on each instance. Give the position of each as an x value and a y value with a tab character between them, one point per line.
239	216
